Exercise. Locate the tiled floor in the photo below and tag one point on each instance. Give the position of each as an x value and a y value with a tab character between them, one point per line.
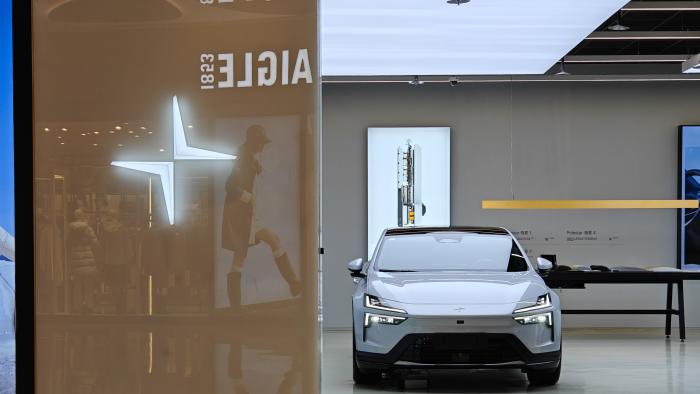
594	361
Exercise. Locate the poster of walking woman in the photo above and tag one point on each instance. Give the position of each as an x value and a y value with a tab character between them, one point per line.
257	198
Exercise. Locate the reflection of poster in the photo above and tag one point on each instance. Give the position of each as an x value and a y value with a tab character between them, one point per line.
689	188
408	178
262	279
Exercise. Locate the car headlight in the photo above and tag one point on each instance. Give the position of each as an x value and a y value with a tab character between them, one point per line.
540	318
371	318
374	303
543	302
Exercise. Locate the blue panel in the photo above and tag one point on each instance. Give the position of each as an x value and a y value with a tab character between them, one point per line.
690	189
7	202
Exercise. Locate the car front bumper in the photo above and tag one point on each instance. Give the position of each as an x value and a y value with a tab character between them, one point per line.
458	350
484	341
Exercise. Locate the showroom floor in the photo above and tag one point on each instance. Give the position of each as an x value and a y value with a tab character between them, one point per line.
595	361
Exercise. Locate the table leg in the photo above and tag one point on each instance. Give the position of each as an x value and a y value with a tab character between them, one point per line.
669	306
681	311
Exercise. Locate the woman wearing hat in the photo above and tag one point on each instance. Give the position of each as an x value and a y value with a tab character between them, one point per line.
240	228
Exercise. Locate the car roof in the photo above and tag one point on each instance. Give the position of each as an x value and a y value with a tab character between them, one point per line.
461	229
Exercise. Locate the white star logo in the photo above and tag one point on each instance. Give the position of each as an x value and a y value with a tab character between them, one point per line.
165	169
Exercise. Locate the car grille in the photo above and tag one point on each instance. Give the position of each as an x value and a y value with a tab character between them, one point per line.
461	349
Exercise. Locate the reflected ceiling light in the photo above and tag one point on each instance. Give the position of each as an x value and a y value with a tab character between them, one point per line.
63	143
142	128
692	65
83	134
189	126
165	170
117	128
130	131
150	132
47	129
161	150
120	145
59	137
95	132
111	132
64	129
94	144
136	136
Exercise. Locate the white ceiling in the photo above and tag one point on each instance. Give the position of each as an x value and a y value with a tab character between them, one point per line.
431	37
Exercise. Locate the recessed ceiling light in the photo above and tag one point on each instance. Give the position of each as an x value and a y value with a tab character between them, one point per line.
63	143
47	129
64	129
96	132
117	128
83	134
142	128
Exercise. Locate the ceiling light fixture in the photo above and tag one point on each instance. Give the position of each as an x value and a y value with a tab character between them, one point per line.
617	26
415	81
561	68
692	65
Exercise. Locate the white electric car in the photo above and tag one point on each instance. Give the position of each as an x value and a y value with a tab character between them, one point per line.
453	297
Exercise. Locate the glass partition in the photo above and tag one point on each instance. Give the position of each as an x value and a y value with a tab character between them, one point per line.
176	196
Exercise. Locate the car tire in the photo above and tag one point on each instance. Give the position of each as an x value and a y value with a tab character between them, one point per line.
544	377
361	376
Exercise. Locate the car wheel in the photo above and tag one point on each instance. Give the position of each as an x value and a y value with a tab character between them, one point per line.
544	377
361	376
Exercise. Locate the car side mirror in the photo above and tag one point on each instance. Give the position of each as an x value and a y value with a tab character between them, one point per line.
544	265
355	267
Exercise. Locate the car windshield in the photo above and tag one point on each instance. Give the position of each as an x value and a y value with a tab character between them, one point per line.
450	251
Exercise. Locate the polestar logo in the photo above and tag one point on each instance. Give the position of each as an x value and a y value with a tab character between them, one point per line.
166	169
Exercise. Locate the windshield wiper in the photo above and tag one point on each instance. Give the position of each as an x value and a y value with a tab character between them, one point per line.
397	271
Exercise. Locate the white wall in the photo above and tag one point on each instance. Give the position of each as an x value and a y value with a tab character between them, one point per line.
570	140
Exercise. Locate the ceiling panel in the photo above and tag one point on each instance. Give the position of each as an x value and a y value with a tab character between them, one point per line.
432	37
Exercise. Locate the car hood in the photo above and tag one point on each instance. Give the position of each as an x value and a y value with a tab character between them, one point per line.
456	288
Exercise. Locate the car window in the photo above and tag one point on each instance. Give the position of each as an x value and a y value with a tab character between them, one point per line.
448	251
